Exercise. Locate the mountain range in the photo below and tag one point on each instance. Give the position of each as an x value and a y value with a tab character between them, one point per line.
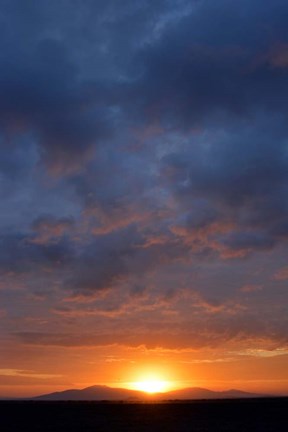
101	393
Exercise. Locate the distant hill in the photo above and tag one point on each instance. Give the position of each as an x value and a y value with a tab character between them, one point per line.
100	393
201	393
95	393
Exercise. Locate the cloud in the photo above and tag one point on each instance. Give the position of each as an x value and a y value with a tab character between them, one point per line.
24	373
187	338
48	228
143	158
42	96
21	254
281	274
251	288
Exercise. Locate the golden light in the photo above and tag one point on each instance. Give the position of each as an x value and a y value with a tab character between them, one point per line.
151	386
150	383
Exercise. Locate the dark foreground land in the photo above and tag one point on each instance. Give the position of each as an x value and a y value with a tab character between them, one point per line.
253	415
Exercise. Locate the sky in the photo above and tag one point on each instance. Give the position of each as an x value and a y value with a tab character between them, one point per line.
144	194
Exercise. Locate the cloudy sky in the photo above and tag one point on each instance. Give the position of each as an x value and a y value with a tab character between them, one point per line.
144	193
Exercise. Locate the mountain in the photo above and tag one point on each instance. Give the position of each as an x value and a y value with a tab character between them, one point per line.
201	393
95	393
100	393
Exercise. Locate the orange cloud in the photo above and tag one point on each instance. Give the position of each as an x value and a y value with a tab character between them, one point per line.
281	274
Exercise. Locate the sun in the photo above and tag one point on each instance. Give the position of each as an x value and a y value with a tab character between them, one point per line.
151	384
151	379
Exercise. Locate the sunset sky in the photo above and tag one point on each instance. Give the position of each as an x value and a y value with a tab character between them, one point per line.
144	194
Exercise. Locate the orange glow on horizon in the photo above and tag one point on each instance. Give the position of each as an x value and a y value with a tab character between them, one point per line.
148	371
154	381
151	386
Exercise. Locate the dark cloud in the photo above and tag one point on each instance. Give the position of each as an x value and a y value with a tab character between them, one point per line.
48	228
41	94
143	143
213	65
211	335
111	259
248	240
236	181
20	254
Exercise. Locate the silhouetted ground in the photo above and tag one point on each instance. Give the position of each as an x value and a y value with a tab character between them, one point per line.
254	415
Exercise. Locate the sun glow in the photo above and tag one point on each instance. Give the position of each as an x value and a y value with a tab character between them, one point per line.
152	379
151	386
151	383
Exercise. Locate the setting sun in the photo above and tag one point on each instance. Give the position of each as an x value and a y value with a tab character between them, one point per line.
150	382
151	386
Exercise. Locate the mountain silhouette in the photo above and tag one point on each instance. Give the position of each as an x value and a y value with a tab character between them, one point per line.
100	393
202	393
96	393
